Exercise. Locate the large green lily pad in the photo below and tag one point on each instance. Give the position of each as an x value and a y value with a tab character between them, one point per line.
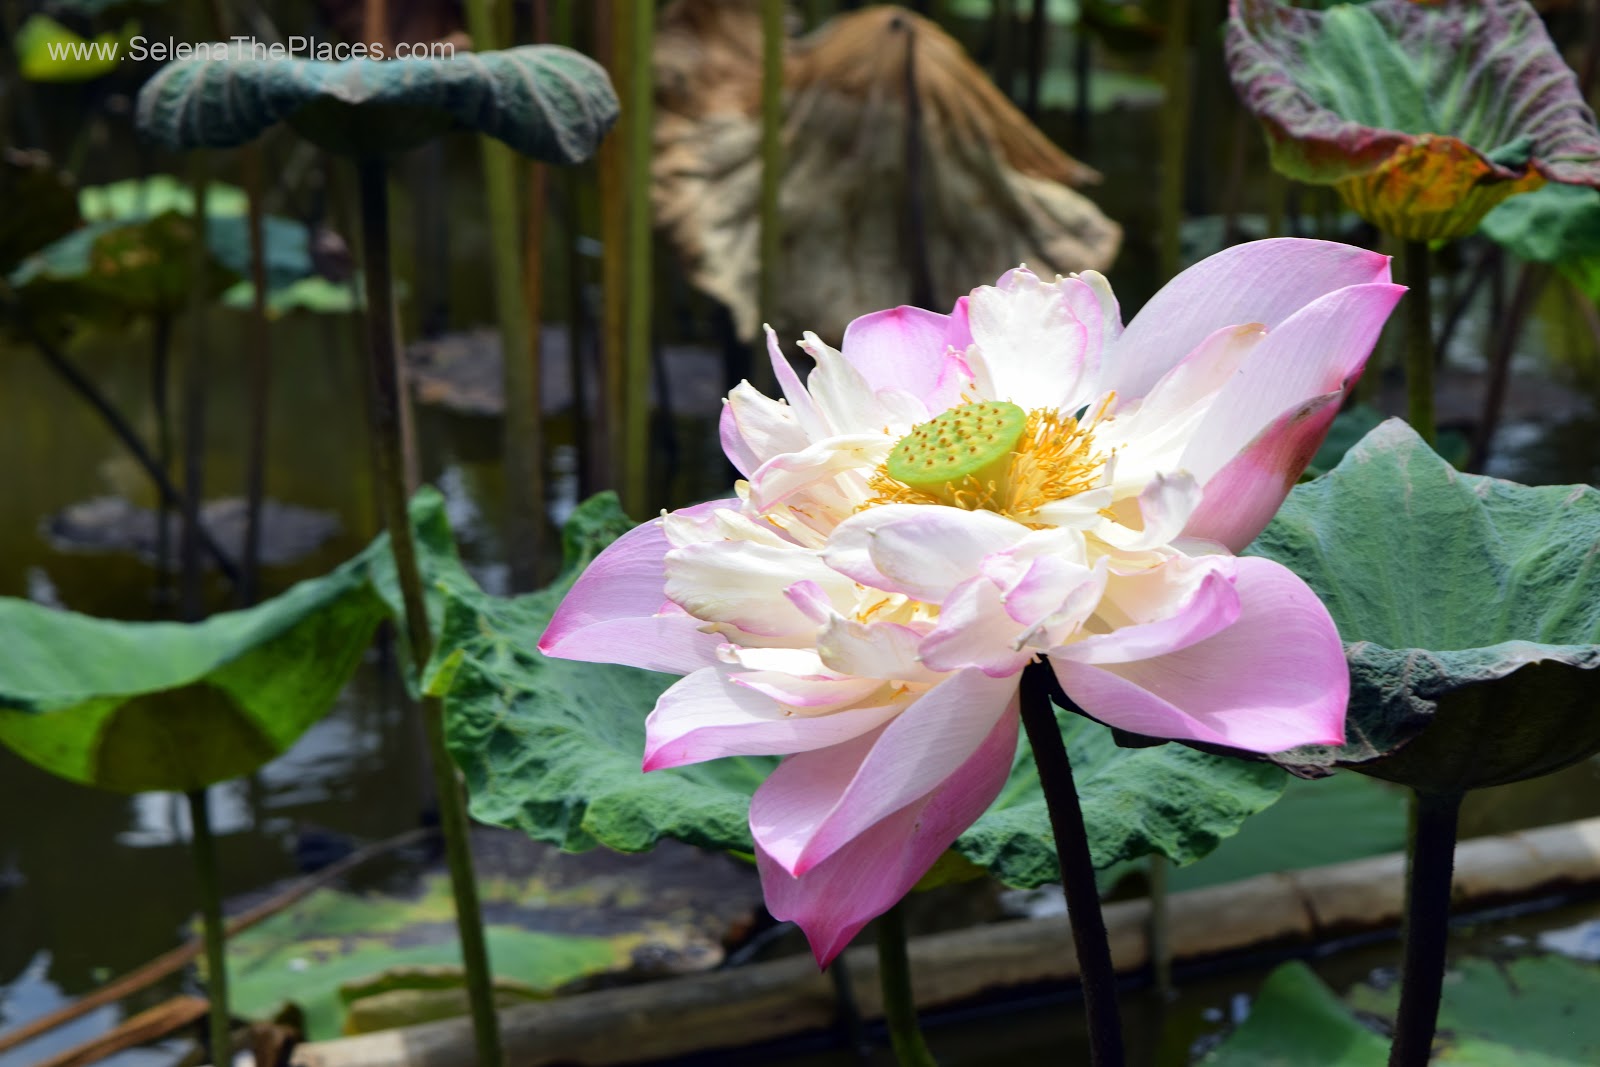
1558	225
545	101
553	747
1423	115
1470	611
135	706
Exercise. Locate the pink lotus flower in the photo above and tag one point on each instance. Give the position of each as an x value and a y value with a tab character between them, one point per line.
953	496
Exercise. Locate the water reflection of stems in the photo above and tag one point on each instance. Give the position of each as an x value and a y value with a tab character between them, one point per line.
1426	927
385	411
1095	970
899	1003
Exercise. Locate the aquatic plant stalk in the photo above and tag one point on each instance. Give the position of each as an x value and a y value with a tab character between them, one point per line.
204	848
385	406
260	379
1415	258
1159	928
920	266
1174	133
771	177
1096	974
636	401
1426	927
610	22
196	385
161	405
899	1003
1038	43
522	432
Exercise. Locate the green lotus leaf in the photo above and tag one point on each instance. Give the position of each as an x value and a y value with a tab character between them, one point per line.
135	254
1558	225
135	706
545	101
139	706
1297	1019
1470	611
552	747
1424	116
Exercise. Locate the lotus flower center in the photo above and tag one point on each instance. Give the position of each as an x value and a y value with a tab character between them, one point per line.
990	455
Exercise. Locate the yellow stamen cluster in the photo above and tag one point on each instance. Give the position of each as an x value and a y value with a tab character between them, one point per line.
1053	458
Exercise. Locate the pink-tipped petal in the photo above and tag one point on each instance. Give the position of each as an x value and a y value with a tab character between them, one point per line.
706	716
921	550
1161	610
1317	350
1240	499
784	475
613	612
1164	506
905	348
866	877
1273	680
1261	281
812	805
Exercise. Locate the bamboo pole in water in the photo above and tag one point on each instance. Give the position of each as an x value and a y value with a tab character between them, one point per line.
522	432
636	399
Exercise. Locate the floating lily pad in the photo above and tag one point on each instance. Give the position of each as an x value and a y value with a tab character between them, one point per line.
1529	1012
545	101
552	747
1423	115
333	949
1470	611
1296	1019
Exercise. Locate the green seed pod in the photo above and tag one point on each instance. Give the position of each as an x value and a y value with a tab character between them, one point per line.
974	441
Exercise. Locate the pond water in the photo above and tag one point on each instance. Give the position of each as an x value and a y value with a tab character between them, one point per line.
93	884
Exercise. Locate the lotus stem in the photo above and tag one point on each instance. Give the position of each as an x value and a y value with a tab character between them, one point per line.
161	404
899	1004
1038	43
1082	70
260	373
1277	202
772	155
641	145
1426	927
1159	929
1096	974
196	384
916	218
204	847
385	408
1415	260
610	24
849	1023
521	433
1174	130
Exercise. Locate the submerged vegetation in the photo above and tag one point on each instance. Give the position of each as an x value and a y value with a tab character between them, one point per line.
1073	546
